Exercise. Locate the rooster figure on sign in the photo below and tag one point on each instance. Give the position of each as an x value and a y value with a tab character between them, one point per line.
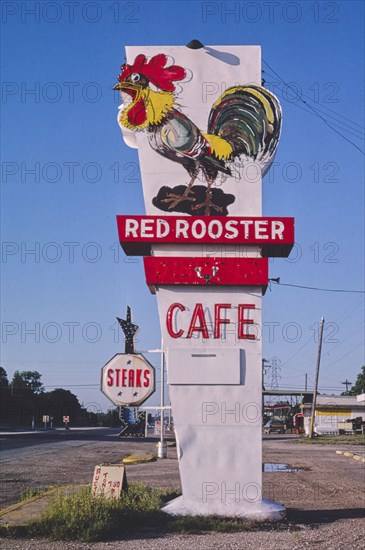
244	123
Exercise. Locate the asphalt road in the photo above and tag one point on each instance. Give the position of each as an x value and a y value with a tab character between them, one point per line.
11	440
30	442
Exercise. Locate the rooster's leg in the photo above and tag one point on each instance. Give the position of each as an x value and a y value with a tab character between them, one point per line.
208	204
176	199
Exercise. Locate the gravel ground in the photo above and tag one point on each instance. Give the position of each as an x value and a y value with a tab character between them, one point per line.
64	463
324	501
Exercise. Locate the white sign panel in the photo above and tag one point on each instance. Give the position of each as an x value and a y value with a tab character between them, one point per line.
128	379
207	157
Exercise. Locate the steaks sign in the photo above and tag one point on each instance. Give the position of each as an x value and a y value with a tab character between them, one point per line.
128	380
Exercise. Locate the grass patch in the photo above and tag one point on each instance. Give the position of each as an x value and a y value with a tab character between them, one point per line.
81	516
32	492
356	439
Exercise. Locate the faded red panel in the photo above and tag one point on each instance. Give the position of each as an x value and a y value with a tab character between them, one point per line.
206	271
138	233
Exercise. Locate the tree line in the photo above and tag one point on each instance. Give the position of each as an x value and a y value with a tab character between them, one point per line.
359	386
24	402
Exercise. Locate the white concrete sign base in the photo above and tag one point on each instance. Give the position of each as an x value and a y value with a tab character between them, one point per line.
263	510
214	370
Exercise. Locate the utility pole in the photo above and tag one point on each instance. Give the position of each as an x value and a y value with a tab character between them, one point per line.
316	382
347	384
306	382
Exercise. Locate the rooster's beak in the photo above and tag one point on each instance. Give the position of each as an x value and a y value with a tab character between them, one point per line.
131	89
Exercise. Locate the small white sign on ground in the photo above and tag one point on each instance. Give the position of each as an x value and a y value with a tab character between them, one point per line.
109	480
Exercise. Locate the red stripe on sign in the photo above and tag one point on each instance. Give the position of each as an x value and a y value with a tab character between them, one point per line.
137	233
206	271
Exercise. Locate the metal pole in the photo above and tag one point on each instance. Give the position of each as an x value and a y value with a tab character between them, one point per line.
313	412
162	447
306	382
146	424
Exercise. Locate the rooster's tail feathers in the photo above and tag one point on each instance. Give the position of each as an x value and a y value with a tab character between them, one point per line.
249	119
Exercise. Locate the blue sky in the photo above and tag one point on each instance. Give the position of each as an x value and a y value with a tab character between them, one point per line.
59	63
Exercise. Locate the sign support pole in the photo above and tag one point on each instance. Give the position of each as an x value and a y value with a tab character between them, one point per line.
128	379
146	425
162	446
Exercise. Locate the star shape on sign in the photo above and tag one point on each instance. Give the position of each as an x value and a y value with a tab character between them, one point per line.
119	394
135	394
129	330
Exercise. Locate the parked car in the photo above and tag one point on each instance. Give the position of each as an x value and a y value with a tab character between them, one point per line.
275	426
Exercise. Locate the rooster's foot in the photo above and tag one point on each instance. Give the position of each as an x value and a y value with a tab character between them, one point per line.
176	199
208	205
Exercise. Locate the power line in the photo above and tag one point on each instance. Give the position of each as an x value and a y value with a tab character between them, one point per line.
314	110
323	106
320	289
360	131
346	314
346	338
346	355
347	384
300	349
351	131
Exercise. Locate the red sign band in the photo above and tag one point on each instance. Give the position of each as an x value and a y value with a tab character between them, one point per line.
137	233
206	271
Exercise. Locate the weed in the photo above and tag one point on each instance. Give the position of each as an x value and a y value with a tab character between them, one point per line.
31	492
82	516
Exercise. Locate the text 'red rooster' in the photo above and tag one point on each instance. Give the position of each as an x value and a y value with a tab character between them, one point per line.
245	121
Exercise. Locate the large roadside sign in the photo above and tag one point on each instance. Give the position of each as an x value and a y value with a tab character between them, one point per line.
207	132
128	380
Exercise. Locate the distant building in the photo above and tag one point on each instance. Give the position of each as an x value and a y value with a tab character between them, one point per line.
332	410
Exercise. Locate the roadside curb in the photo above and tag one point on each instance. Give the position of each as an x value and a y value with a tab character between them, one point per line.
351	455
22	513
139	458
25	502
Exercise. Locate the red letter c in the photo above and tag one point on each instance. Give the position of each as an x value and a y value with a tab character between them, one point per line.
169	319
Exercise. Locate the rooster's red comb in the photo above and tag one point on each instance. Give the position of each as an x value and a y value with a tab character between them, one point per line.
155	70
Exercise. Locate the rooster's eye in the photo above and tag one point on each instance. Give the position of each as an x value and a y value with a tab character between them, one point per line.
135	77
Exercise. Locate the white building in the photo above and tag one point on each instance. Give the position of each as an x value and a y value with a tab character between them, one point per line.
331	410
